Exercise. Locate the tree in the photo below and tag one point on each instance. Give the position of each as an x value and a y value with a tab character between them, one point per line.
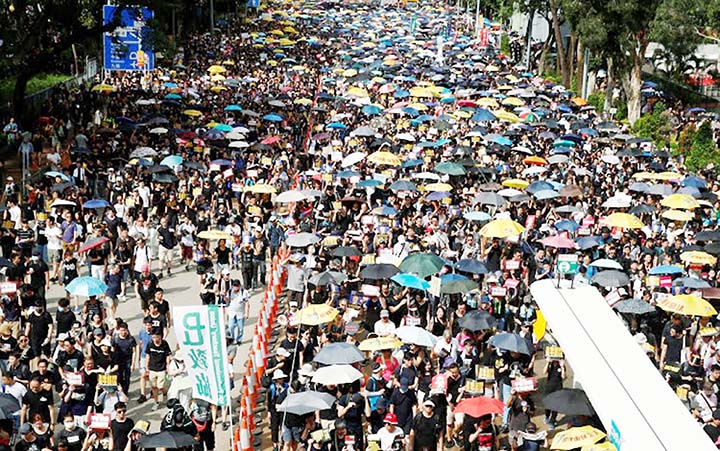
35	34
655	126
703	151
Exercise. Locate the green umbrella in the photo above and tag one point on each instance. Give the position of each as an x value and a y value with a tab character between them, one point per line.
456	283
422	264
450	168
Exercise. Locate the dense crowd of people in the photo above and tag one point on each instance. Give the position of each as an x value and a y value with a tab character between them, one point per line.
422	183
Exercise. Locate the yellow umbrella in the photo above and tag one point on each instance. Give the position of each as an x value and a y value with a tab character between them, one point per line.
668	176
261	188
643	175
316	314
349	73
379	343
680	201
217	77
501	228
492	68
438	187
513	101
303	101
418	106
216	69
698	257
228	63
285	42
103	87
506	116
420	92
505	88
277	33
136	161
576	438
487	102
604	446
192	113
357	92
218	88
677	215
214	235
689	305
515	183
460	114
384	157
579	101
389	62
623	220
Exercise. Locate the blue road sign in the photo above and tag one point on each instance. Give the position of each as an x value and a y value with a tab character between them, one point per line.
128	46
253	4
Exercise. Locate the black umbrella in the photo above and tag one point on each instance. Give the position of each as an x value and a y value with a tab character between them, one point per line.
60	187
328	277
168	440
156	168
194	165
713	248
476	320
345	251
642	208
8	406
611	278
379	271
708	235
471	265
164	178
510	342
569	401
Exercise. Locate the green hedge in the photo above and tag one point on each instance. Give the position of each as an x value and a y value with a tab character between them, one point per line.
36	84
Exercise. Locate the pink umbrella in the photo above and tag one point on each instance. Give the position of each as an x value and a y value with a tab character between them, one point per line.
558	241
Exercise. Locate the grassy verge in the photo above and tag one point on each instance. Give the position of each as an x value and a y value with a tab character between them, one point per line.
36	84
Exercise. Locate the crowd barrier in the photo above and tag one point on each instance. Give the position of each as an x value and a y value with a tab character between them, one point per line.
247	434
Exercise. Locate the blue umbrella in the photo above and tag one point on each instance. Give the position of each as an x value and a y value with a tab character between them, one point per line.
222	162
96	203
456	283
502	140
410	111
665	270
425	118
437	195
483	115
86	286
347	174
403	185
412	163
539	185
401	94
477	216
410	281
170	84
172	160
385	211
173	96
567	224
215	135
371	110
57	174
447	99
471	265
588	242
369	183
336	126
233	108
223	127
694	181
691	282
273	117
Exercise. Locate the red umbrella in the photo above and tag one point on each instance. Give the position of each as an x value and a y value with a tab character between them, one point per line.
479	406
95	242
270	140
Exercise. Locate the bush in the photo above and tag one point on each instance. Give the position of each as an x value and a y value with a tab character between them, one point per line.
655	126
703	150
36	84
597	99
685	140
505	44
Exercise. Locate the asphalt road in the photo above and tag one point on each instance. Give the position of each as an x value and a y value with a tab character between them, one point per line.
181	289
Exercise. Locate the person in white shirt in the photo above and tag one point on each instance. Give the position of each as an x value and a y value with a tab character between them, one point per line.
187	241
12	387
238	309
53	233
447	346
384	327
390	432
144	193
14	213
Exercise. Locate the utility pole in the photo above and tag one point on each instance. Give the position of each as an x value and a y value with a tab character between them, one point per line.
586	69
212	16
528	38
477	18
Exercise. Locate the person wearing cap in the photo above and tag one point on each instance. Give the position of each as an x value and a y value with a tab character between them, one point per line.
277	389
29	441
384	327
427	430
390	432
238	310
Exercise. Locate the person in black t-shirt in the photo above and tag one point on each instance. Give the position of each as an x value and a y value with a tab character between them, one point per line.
125	348
222	255
38	401
157	320
29	441
121	427
64	317
157	358
427	430
39	328
145	286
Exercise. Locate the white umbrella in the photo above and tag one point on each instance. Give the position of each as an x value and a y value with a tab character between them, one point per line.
302	239
235	136
159	131
617	202
606	263
336	374
416	335
306	402
509	192
62	203
353	158
312	193
610	159
142	152
242	130
290	196
238	144
426	176
405	137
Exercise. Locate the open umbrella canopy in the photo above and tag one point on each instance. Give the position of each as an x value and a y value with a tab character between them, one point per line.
316	314
336	375
510	342
93	243
416	335
471	266
214	235
477	320
96	203
302	239
9	405
327	277
379	344
688	305
611	278
423	264
479	406
576	437
634	306
306	402
456	284
346	251
167	440
501	228
86	286
569	401
450	168
410	281
377	271
623	220
339	354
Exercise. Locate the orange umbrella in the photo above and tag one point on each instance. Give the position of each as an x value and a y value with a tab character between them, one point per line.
535	160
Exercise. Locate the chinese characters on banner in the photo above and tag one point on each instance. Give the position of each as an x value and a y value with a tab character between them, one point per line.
200	331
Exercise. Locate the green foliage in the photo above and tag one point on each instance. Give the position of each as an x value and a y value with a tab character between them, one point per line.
704	151
36	84
505	44
655	126
622	111
597	99
686	138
